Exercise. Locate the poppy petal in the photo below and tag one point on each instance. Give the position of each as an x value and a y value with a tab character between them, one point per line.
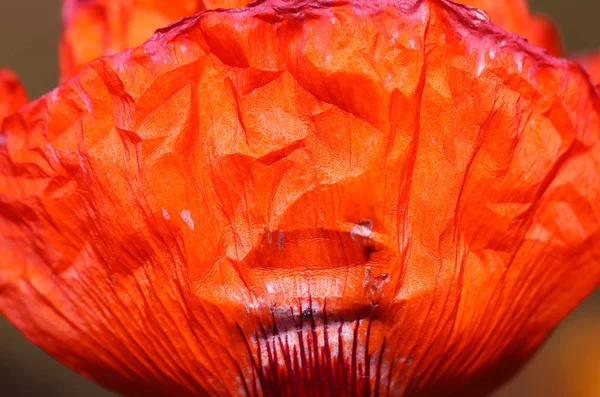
380	198
12	94
103	27
514	16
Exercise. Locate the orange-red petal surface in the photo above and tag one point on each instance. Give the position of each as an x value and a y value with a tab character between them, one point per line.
385	197
94	28
12	94
514	16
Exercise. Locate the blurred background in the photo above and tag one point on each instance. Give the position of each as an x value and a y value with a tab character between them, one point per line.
568	365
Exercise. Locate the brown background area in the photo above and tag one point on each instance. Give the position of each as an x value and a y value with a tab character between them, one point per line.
567	366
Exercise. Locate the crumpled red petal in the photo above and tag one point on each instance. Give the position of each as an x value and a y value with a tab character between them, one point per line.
94	28
12	94
514	16
394	198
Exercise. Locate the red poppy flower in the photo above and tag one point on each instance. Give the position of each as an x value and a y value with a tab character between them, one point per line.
304	198
95	28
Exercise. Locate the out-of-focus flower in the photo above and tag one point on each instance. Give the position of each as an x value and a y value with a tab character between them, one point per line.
591	63
95	28
12	94
304	198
